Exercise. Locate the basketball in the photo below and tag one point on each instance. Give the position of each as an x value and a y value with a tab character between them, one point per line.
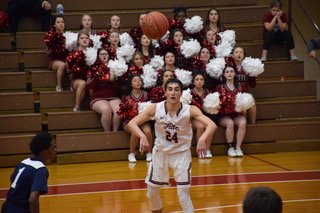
155	25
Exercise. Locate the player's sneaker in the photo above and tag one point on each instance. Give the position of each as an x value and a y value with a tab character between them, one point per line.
239	152
132	158
232	152
208	153
149	156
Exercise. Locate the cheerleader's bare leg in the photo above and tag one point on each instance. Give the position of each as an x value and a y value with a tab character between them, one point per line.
116	120
103	107
241	123
80	86
60	66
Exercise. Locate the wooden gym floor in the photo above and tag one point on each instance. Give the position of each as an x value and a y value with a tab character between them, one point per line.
218	184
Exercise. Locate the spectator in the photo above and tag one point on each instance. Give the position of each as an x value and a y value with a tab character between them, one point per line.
261	199
275	24
313	45
36	8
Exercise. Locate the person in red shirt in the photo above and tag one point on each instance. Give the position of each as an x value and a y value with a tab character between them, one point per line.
275	24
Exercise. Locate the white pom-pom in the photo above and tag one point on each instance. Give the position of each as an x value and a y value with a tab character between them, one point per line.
215	67
125	52
190	48
184	76
223	49
71	40
155	43
228	36
166	36
252	66
186	97
125	39
142	106
117	68
149	76
91	55
193	25
157	62
211	103
96	41
244	101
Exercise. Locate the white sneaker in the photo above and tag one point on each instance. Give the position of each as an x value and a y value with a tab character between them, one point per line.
149	156
263	59
76	110
208	153
59	89
132	158
232	152
239	152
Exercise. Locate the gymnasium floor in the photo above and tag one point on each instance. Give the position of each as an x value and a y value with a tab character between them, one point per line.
219	184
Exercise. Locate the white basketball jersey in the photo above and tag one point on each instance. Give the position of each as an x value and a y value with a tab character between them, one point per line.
173	134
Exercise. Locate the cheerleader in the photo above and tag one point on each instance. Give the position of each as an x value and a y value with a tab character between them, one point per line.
157	94
169	61
135	94
180	13
56	49
77	68
113	42
136	32
146	48
104	93
246	80
114	26
198	93
227	116
87	24
137	62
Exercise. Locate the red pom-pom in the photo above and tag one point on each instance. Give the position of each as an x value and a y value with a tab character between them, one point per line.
55	41
227	102
230	61
112	52
136	34
128	110
197	101
158	95
211	49
104	36
195	63
154	25
76	61
100	71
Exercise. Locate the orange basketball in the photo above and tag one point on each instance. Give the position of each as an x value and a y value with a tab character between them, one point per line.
155	25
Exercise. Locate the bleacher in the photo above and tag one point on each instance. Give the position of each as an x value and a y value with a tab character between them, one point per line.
288	112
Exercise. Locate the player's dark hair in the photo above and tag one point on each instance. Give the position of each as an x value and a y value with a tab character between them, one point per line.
41	141
262	199
173	81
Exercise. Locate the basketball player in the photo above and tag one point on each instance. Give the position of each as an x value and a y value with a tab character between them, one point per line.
29	179
172	144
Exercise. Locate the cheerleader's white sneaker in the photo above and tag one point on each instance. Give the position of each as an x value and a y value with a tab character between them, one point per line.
132	158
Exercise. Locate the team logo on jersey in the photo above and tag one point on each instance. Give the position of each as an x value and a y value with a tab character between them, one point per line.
170	126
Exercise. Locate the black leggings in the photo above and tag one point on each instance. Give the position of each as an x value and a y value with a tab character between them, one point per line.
271	37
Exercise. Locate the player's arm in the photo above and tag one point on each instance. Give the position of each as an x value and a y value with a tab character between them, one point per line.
134	124
210	128
34	202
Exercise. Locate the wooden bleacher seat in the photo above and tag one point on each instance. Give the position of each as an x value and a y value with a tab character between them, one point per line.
138	5
20	123
64	99
72	120
30	40
287	69
9	60
73	148
13	81
14	149
242	32
5	43
17	101
254	50
43	79
35	59
286	88
288	109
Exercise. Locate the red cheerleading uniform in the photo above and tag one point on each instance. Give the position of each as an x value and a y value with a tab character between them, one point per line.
157	94
55	47
245	79
102	88
143	97
227	100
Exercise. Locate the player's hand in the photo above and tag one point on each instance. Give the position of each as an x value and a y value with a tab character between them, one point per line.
313	54
46	5
144	145
280	13
201	149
